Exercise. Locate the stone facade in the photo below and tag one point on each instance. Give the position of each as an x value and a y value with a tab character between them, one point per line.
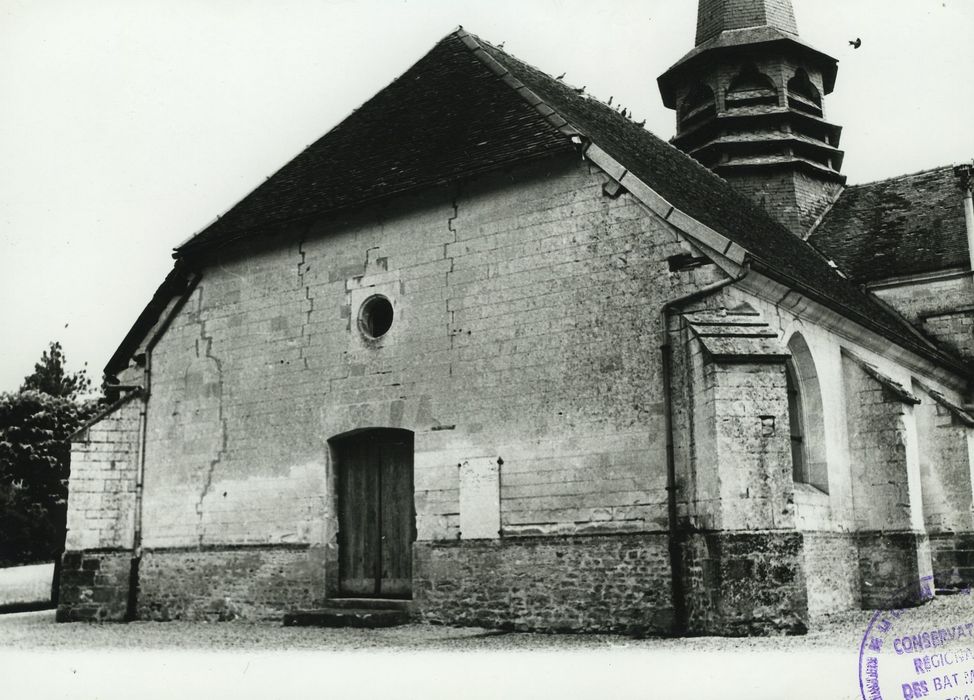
222	584
604	418
615	583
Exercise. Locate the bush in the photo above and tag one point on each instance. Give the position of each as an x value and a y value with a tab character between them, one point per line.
34	467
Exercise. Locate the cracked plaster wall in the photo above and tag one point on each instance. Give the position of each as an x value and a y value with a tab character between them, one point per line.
525	313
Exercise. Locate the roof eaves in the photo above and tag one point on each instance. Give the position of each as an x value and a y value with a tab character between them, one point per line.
649	198
612	167
111	408
914	341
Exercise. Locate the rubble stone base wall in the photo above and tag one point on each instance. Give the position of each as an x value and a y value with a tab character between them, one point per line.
248	583
891	565
745	583
953	558
94	586
604	583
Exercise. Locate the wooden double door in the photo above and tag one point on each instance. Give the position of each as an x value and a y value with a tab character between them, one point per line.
376	516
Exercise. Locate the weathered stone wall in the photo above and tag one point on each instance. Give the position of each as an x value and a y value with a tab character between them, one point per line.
954	329
520	332
945	467
95	586
943	306
214	584
891	565
617	583
885	467
97	561
523	336
953	559
742	559
741	583
732	443
104	468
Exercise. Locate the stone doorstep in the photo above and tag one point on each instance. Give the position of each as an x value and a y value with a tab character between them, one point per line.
353	612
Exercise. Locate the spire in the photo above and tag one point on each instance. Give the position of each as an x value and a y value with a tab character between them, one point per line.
749	104
717	16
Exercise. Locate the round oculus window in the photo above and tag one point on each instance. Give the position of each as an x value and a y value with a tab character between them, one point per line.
375	317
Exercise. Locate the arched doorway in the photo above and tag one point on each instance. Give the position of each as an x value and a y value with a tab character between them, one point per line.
376	516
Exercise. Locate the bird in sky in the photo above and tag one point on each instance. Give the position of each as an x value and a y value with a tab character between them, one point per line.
856	44
560	77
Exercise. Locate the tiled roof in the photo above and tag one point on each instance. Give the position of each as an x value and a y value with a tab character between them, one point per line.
445	117
905	225
451	115
716	16
709	199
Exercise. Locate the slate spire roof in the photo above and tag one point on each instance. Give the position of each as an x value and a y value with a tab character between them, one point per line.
717	16
466	108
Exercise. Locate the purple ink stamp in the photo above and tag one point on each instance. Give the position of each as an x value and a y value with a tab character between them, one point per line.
904	655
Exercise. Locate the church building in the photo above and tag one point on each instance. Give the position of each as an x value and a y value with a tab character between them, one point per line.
490	353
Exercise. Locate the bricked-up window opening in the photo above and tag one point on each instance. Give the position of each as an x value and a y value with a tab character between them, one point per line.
806	417
375	318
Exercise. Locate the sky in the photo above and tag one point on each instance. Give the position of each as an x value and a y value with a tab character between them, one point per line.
126	126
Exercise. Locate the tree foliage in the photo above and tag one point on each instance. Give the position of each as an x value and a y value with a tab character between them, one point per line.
51	377
35	453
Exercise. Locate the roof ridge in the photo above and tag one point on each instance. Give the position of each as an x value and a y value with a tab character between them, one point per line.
553	116
903	176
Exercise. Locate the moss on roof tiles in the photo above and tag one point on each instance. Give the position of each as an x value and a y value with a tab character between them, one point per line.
901	226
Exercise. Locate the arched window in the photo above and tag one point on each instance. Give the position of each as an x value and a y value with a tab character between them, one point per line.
698	106
809	465
803	95
751	87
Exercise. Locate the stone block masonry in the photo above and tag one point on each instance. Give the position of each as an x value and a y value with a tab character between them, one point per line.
891	565
104	466
745	583
615	583
95	586
221	584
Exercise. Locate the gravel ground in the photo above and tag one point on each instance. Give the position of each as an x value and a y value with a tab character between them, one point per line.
38	631
242	660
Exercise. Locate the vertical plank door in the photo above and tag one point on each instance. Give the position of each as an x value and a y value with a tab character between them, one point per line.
397	519
359	554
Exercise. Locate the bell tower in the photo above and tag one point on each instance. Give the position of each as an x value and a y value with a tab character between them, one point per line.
749	106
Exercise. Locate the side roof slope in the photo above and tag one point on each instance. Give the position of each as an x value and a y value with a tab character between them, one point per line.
902	226
451	115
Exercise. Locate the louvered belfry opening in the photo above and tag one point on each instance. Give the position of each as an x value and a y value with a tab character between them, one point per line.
764	129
